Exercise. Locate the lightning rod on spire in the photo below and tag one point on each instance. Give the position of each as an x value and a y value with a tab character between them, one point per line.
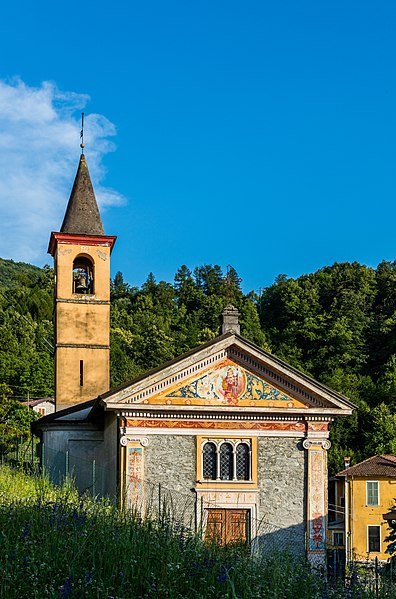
82	133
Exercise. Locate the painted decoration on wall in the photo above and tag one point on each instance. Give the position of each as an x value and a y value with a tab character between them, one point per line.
317	503
134	475
231	425
228	384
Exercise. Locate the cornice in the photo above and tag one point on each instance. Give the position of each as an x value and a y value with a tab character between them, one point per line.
70	239
152	385
89	299
83	345
207	414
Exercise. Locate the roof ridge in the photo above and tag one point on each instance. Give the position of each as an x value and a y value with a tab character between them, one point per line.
388	456
372	458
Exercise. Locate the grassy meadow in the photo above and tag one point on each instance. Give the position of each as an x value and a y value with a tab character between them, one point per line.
56	544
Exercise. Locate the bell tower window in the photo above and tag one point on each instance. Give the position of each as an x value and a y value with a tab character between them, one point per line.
83	275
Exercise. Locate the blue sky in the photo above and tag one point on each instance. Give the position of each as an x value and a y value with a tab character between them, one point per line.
258	134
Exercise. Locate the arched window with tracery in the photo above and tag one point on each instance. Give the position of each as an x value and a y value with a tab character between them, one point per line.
226	459
226	462
83	275
242	461
209	461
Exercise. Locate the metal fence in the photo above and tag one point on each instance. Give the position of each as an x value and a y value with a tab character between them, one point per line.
18	450
186	512
150	499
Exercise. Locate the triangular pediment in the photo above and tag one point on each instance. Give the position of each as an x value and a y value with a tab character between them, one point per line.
225	384
229	372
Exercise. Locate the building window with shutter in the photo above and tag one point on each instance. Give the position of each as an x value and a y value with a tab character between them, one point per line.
338	539
372	492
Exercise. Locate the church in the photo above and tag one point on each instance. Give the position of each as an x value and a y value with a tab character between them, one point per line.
229	425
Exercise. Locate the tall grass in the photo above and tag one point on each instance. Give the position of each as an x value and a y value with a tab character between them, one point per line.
55	544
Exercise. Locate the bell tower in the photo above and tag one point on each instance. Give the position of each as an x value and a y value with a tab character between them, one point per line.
81	253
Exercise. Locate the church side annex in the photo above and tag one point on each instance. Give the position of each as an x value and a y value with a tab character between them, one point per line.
242	432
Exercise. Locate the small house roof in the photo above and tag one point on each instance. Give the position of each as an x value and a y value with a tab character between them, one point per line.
37	402
378	465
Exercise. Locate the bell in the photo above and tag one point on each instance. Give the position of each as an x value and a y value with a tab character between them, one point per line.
81	283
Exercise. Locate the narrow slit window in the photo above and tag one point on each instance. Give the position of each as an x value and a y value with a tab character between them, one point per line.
81	373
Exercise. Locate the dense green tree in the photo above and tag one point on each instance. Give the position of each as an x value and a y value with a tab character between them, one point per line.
379	431
119	289
337	324
391	538
15	417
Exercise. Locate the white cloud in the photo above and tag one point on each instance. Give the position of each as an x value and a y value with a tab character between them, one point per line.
39	137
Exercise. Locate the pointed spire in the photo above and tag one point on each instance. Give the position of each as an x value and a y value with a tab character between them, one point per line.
82	213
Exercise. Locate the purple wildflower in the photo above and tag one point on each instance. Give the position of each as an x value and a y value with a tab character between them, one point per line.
66	589
223	575
26	532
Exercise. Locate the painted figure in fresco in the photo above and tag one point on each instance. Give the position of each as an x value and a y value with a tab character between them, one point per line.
231	385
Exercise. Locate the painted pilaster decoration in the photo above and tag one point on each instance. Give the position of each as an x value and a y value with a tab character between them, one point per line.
230	322
134	474
317	499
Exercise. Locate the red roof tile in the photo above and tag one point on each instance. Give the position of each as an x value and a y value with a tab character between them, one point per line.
378	465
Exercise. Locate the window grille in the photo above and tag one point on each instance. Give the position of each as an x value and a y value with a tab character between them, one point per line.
226	459
209	461
242	462
372	492
226	462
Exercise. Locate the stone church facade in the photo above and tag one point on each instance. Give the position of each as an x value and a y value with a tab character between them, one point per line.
228	424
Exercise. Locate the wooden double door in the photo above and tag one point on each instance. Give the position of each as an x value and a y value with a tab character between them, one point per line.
228	526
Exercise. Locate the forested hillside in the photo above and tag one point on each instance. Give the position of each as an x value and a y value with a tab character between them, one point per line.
338	325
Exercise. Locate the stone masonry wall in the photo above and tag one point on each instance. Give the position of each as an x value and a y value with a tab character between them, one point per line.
282	496
170	460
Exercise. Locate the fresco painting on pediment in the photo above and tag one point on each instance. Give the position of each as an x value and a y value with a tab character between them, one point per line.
228	384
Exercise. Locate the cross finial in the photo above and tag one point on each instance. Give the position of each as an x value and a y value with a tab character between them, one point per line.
82	133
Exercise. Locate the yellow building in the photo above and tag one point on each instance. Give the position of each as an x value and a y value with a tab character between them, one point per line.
369	492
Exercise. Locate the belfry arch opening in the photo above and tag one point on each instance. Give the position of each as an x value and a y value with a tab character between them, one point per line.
83	275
